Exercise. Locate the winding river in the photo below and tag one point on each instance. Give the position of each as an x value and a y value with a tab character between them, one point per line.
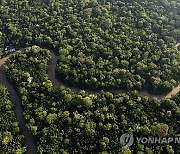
58	84
29	140
178	44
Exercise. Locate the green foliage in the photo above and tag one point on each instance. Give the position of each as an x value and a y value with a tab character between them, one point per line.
101	43
121	44
162	130
125	150
66	122
11	140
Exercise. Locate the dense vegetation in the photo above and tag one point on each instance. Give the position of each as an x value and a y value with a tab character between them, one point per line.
11	140
65	122
120	44
102	43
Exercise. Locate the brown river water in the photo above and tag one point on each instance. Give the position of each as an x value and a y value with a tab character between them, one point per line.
29	139
58	84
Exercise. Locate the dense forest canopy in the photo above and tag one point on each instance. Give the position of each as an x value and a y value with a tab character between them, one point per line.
66	122
11	140
102	43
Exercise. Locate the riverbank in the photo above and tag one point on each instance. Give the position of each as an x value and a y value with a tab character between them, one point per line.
29	140
177	45
58	84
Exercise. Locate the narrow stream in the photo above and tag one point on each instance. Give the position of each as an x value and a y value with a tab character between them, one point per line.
178	44
57	84
29	140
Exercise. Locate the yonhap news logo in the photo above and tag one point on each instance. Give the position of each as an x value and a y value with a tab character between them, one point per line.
128	140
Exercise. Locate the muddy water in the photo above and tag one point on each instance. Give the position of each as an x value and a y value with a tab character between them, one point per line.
3	60
173	92
57	83
29	140
178	44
